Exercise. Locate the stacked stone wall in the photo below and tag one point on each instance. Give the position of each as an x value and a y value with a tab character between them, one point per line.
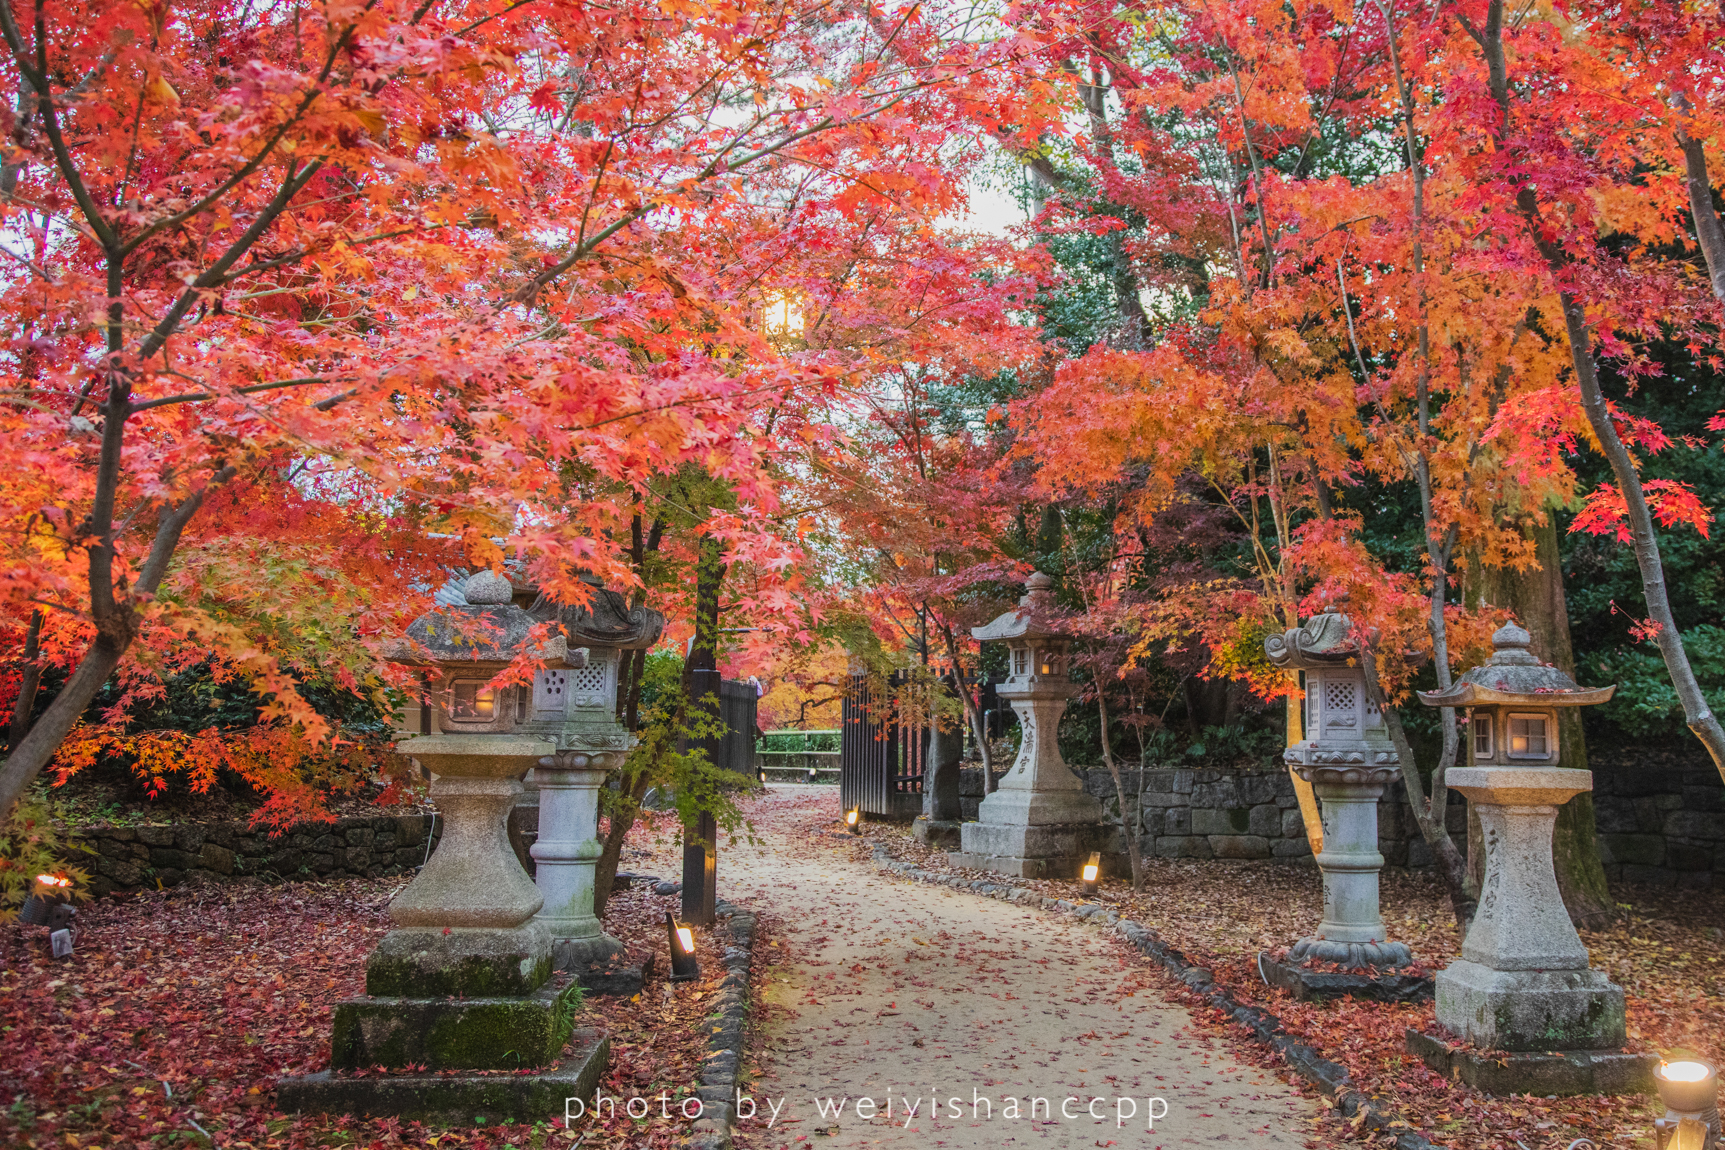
1660	812
1208	813
130	858
1661	815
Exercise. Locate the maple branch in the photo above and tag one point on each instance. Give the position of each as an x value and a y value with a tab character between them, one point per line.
116	625
480	23
1709	234
212	276
584	249
38	79
256	161
1257	170
200	396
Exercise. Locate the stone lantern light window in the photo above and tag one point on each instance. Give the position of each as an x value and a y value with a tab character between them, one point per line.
550	691
1527	737
1020	662
474	700
1480	725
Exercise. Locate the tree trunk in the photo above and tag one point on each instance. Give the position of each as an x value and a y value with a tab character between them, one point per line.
1537	600
30	680
703	654
1696	711
972	710
940	801
1131	818
1709	234
1428	813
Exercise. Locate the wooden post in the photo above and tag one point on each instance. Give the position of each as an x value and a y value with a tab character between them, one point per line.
701	871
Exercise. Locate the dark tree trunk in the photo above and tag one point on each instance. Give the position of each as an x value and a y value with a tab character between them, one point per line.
940	783
29	682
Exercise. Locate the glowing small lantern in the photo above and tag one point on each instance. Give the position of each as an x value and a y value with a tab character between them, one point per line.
1092	871
1690	1091
684	967
853	820
48	906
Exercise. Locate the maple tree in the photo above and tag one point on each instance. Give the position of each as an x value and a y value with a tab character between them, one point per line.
337	296
1306	313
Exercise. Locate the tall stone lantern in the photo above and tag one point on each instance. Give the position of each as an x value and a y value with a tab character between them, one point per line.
1040	822
573	708
463	980
1522	994
1349	760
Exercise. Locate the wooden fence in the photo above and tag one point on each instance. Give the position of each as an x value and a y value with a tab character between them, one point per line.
884	745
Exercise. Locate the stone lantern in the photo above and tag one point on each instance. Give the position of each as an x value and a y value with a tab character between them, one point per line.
573	707
1349	760
463	980
1522	994
1041	822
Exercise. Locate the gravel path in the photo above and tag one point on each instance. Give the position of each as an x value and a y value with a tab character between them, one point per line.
890	992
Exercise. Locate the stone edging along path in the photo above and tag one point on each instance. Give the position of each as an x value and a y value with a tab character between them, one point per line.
720	1071
1330	1078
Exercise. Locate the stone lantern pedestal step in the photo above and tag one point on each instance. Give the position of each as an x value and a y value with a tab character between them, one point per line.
939	834
456	1099
1307	985
1048	850
506	1032
1562	1072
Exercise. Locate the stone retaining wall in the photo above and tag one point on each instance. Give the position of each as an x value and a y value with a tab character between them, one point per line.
132	858
1660	813
1205	813
1661	816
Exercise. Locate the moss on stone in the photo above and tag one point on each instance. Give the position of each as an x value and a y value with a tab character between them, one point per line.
473	976
454	1034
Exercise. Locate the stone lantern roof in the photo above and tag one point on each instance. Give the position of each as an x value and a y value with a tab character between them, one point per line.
1515	677
1324	642
608	621
486	633
1024	623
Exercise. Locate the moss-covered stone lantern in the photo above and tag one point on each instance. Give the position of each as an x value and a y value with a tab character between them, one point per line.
1522	994
463	981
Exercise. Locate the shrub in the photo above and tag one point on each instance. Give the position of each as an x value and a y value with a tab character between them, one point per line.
34	841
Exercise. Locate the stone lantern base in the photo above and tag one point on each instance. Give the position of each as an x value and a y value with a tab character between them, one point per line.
1351	935
464	981
1307	985
1536	1032
1052	850
938	834
1562	1072
1523	1010
457	1099
1535	1018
